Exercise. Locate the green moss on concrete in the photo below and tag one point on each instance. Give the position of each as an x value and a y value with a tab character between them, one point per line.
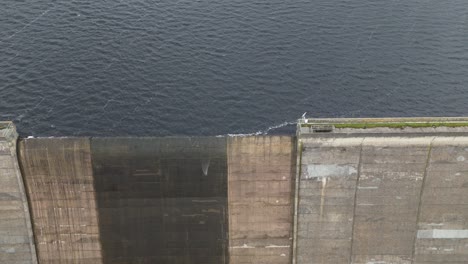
395	125
400	125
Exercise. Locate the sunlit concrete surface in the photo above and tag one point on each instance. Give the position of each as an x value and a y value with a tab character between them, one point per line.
59	179
16	236
383	194
261	171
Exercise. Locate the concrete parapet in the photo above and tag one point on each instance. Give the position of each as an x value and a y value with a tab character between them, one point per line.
16	236
260	180
59	180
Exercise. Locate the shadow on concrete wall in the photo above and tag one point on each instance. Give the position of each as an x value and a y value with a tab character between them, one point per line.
161	200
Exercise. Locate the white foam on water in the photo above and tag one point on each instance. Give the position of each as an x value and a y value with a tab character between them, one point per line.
260	132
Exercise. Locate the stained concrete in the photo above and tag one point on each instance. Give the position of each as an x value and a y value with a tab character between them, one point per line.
387	198
261	171
59	180
370	196
442	235
162	200
16	236
383	196
329	171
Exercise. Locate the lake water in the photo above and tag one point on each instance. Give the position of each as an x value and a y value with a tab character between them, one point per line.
188	67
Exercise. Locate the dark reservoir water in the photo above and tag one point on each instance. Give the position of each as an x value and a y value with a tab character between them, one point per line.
226	66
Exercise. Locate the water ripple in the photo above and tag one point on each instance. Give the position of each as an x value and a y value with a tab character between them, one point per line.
203	67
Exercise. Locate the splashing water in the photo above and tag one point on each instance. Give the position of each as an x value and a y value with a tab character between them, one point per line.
261	132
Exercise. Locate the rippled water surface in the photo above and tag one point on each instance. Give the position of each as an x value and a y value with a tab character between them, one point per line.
215	67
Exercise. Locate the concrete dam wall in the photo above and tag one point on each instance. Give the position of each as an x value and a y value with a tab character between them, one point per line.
16	236
261	172
60	186
342	191
382	194
160	200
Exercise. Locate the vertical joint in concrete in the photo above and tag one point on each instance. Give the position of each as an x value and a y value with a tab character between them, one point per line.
355	200
421	193
296	195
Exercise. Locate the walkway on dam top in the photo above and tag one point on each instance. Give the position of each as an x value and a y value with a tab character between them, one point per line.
384	126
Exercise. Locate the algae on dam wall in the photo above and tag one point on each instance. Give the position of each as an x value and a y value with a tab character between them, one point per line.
161	200
261	172
16	236
59	180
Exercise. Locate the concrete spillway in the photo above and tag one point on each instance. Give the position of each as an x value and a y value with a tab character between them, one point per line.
342	191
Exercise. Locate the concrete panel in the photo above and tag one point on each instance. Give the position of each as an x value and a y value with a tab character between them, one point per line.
260	183
410	203
359	198
387	199
443	222
162	200
329	171
16	236
59	181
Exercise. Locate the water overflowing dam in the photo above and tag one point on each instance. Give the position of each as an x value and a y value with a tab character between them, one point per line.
340	191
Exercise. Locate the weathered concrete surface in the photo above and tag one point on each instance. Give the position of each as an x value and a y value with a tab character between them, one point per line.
327	187
16	236
260	178
443	218
390	177
383	197
364	196
162	200
60	186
